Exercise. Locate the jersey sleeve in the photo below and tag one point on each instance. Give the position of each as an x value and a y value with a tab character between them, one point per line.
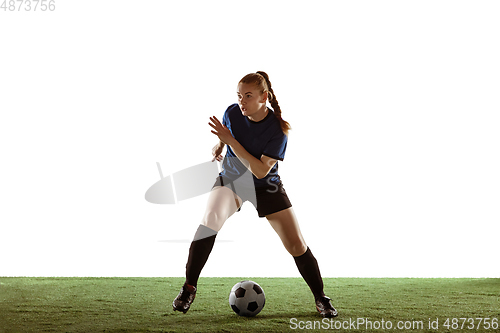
225	121
276	147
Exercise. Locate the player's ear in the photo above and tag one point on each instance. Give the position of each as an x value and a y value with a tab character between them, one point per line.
264	97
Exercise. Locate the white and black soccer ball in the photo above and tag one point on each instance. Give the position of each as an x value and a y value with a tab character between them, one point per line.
247	298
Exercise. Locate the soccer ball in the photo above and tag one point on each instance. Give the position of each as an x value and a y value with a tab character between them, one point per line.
247	298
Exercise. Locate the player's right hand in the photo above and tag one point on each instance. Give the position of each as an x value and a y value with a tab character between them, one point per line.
217	152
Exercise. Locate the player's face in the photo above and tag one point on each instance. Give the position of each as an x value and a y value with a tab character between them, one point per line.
250	99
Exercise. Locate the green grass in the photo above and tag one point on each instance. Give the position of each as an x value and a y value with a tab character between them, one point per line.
144	304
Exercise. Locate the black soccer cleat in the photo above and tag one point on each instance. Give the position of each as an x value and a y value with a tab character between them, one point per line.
325	308
183	301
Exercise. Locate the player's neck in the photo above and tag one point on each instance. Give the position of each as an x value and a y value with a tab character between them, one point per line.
259	115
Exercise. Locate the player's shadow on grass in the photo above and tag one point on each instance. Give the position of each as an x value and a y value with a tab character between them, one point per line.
232	317
310	315
285	316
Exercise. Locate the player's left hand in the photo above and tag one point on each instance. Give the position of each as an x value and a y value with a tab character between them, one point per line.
221	131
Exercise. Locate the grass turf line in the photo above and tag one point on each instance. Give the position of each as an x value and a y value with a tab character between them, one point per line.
144	304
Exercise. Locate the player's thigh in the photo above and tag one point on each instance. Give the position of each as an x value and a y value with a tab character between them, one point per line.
286	225
222	203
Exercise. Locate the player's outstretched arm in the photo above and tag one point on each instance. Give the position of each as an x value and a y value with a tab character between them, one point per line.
260	168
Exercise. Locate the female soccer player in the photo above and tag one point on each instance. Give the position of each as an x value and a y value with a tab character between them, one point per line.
256	138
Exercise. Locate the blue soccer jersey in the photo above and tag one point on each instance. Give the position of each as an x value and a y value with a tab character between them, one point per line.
264	137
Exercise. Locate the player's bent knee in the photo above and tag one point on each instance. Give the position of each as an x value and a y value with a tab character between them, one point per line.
296	249
213	220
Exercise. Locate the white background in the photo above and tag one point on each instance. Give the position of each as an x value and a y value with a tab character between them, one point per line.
392	163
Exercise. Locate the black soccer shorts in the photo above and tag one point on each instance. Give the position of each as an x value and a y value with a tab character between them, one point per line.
267	200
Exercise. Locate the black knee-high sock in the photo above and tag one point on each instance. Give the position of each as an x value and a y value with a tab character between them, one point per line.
200	249
308	268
